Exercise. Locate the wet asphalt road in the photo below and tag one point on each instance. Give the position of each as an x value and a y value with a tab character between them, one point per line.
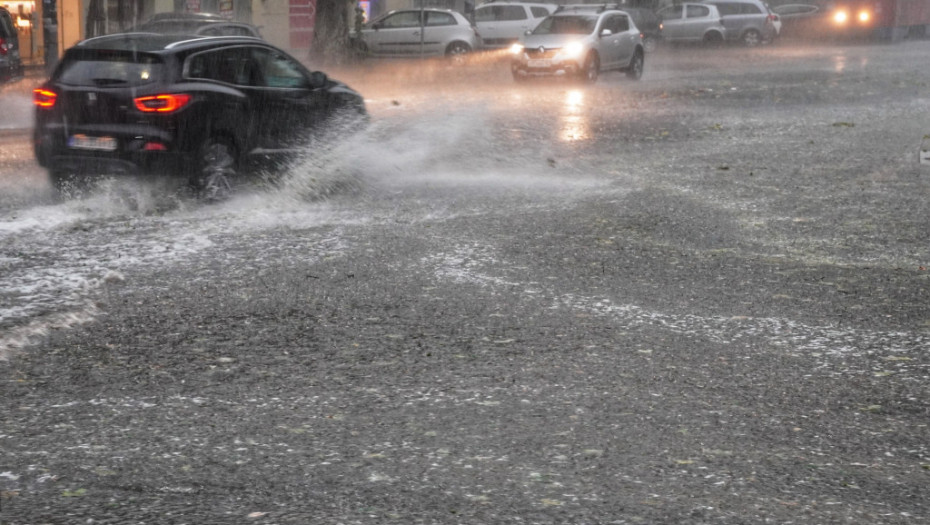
700	298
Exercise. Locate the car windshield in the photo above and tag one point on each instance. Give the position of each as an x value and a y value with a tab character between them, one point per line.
109	69
566	25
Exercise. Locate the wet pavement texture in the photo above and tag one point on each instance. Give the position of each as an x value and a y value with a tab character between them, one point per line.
699	298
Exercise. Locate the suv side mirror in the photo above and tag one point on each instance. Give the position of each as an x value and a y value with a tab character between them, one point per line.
318	79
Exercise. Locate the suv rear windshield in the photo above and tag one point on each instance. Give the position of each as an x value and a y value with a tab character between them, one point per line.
110	68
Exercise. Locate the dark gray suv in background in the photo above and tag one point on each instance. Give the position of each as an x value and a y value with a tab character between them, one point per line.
11	66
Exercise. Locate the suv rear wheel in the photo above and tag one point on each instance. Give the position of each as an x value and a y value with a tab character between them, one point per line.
216	169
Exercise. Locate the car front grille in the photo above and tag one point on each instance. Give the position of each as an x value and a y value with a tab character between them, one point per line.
540	52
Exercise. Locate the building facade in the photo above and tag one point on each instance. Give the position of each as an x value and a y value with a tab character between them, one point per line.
48	27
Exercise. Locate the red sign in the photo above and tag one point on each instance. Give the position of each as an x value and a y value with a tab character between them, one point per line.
302	16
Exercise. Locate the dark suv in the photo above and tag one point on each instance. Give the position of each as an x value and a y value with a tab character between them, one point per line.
205	24
11	67
203	107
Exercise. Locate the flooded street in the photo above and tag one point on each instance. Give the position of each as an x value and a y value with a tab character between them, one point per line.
696	298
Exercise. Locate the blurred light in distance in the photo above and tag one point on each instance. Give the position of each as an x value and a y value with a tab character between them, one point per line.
574	122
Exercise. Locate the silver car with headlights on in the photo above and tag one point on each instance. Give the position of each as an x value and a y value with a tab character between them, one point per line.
580	41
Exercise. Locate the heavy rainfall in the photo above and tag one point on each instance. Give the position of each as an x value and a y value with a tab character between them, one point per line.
699	297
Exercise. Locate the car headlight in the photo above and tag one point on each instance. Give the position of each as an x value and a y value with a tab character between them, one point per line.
840	17
572	50
864	16
516	49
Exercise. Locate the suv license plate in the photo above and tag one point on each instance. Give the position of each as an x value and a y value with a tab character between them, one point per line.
539	62
81	141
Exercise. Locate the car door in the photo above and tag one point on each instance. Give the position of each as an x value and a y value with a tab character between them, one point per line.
290	104
697	20
731	18
500	25
441	28
397	34
616	48
236	101
673	23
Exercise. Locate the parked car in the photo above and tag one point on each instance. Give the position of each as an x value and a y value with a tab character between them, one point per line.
692	23
749	22
649	24
580	41
11	66
501	24
418	32
806	21
207	108
196	24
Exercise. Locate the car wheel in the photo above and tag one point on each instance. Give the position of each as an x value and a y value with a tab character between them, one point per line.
650	44
752	38
216	169
635	69
591	68
457	52
713	38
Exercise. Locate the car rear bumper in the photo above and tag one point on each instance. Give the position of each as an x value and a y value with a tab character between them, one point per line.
167	164
138	153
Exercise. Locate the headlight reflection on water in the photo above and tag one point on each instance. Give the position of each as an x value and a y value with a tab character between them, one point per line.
574	123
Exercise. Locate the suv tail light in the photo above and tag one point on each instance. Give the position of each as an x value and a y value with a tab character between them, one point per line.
162	103
4	47
44	98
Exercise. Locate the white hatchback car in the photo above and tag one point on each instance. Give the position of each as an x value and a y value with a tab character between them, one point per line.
580	41
417	32
692	23
503	23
